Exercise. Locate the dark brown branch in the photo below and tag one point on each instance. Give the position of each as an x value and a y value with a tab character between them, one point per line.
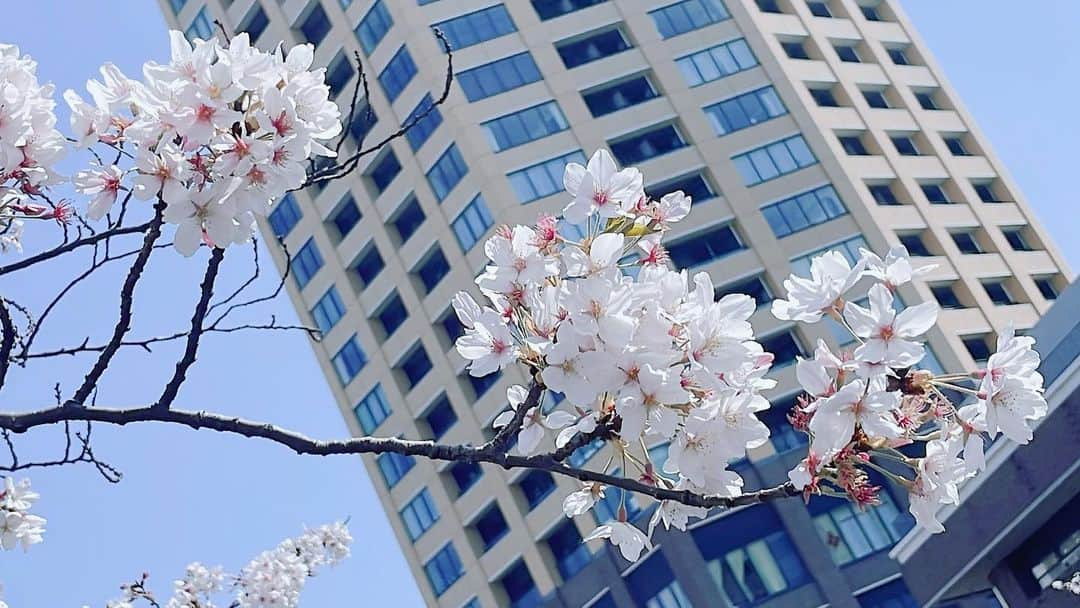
73	245
191	347
603	430
126	304
302	444
7	340
503	436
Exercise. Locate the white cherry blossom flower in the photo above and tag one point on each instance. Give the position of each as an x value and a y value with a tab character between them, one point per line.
103	184
896	269
630	540
581	501
889	336
515	261
534	425
603	252
831	276
600	188
675	514
835	417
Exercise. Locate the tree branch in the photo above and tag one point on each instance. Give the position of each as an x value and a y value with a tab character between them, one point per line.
301	444
7	340
73	245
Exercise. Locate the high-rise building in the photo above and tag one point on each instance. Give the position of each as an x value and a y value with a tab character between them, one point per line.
796	126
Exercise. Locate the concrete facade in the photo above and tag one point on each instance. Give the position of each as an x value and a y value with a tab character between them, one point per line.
787	563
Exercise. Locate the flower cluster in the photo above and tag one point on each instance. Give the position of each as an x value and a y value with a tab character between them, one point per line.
17	525
868	408
1071	585
29	146
645	354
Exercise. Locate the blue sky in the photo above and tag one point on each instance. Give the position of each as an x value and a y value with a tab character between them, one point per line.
200	496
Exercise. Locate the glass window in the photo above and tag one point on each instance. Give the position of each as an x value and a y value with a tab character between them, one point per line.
483	384
905	145
956	146
986	193
550	9
870	12
876	99
926	100
824	98
178	5
372	410
519	587
688	15
694	185
782	435
306	263
392	313
1047	288
849	247
977	347
285	216
852	144
570	553
1016	239
847	53
750	558
452	326
408	219
652	584
419	514
851	533
422	122
746	110
803	211
201	27
444	569
415	365
893	594
966	242
338	74
716	62
785	348
704	247
369	265
946	296
795	49
613	97
476	27
364	120
642	146
465	474
349	360
898	56
536	485
432	269
769	6
776	159
397	74
446	172
316	26
819	9
914	244
754	286
440	417
471	224
346	216
883	194
592	47
373	26
328	310
490	527
582	455
393	467
384	171
543	179
998	293
607	508
525	125
255	23
498	76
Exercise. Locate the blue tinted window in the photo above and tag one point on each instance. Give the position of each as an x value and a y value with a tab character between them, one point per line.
465	474
419	514
338	74
536	485
472	223
451	324
440	417
483	384
644	145
519	587
476	27
784	347
372	410
549	9
363	122
694	185
424	119
447	172
384	171
652	583
896	595
316	26
782	435
392	313
415	365
580	51
704	247
393	467
346	216
349	360
306	263
803	211
369	265
525	125
178	5
200	27
582	455
755	287
745	110
850	249
444	569
373	26
851	533
688	15
432	269
610	98
285	216
607	508
776	159
847	53
408	219
328	310
716	62
543	179
498	76
750	557
490	527
571	555
255	23
397	74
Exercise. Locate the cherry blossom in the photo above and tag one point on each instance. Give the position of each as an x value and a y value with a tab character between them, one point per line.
534	425
831	275
600	188
859	403
889	336
629	539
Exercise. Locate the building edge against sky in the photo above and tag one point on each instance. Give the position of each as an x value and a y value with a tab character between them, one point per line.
796	126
